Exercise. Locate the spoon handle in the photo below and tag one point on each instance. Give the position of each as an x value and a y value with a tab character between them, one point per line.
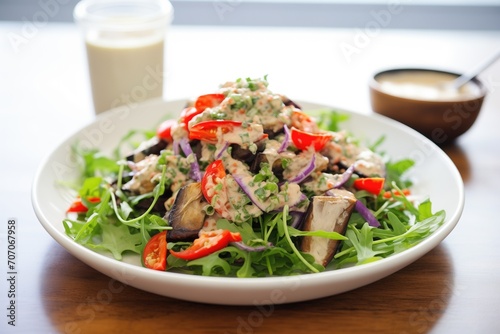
464	78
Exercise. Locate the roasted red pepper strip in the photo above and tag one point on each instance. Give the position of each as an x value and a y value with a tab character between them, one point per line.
164	131
202	102
373	185
208	101
207	243
78	207
207	131
154	255
214	171
303	140
187	114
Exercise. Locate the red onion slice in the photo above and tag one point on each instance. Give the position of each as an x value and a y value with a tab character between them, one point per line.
345	177
176	147
304	173
195	173
296	219
286	140
219	153
366	214
362	210
247	248
258	203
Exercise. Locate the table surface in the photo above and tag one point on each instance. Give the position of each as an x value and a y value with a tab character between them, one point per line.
45	97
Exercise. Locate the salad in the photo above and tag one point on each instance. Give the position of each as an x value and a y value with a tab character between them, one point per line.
246	184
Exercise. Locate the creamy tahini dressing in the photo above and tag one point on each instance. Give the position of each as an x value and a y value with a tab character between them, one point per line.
289	194
243	136
258	106
369	163
147	173
241	209
425	85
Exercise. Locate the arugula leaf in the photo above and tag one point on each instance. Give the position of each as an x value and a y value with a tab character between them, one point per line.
396	170
397	226
374	147
403	226
91	187
330	119
246	269
427	226
425	210
362	241
93	162
83	232
117	239
210	264
319	233
245	229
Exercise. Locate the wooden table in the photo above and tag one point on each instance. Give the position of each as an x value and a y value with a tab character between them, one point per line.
45	97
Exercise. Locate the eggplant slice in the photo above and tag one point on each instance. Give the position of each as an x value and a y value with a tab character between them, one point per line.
245	154
159	206
331	214
287	102
152	146
276	166
187	216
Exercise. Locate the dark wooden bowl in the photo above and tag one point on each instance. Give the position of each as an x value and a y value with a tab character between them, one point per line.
442	121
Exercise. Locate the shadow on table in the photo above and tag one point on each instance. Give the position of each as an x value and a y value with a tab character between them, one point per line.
81	300
460	159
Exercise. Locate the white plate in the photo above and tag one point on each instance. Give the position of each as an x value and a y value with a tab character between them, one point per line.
435	176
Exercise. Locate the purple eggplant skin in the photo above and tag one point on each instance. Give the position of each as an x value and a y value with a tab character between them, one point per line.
245	154
287	102
159	206
327	213
187	215
277	166
152	146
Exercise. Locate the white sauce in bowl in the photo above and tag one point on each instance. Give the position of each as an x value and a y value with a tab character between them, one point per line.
425	85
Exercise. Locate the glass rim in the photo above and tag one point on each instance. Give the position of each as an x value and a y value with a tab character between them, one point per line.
156	13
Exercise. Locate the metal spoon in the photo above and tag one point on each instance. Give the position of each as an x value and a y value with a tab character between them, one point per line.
466	77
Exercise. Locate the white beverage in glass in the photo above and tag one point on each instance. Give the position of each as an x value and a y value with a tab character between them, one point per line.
125	49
